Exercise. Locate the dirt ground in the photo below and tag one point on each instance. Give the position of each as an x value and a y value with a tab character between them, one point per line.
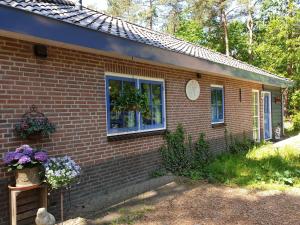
186	203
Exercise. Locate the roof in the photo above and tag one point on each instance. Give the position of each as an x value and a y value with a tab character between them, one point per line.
67	11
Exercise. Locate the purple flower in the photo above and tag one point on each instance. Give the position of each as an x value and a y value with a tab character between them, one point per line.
41	156
9	157
17	155
28	151
24	159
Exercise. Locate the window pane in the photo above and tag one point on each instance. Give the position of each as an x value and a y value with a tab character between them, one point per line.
146	89
217	105
220	112
128	85
120	120
115	87
214	116
219	97
213	96
156	94
157	115
129	119
116	119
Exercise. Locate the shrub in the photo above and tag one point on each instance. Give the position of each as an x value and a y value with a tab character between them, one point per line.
175	152
295	101
296	121
201	153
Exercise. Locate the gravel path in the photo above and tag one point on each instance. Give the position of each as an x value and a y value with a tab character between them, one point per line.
200	203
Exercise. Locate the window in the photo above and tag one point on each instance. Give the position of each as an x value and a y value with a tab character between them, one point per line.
255	113
217	104
132	121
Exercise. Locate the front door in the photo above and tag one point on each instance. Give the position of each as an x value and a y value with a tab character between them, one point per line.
267	115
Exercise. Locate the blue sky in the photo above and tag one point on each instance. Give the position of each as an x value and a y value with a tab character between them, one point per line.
99	4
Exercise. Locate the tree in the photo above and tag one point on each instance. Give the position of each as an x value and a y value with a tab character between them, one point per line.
123	8
215	13
174	15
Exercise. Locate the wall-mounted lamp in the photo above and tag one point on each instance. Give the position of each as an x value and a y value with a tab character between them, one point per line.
199	75
40	51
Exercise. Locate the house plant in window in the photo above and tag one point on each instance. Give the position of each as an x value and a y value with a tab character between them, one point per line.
34	125
27	164
126	103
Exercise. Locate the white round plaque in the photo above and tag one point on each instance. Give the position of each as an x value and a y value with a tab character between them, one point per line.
192	90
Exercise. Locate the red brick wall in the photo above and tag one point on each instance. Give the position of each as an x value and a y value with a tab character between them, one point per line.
68	87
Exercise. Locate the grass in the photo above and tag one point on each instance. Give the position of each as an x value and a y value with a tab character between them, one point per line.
262	167
130	216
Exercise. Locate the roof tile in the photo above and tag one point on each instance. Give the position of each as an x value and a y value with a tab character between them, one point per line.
67	11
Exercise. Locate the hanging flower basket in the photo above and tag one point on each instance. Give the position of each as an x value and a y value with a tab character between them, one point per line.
34	125
132	99
27	163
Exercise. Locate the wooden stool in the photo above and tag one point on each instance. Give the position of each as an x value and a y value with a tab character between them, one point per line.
29	207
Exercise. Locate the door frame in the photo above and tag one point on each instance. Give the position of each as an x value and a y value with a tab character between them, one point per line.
270	110
258	113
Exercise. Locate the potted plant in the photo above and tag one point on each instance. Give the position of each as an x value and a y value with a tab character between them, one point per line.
60	173
27	163
33	127
132	99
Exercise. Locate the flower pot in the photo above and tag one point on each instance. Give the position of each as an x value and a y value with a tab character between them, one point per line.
35	137
27	177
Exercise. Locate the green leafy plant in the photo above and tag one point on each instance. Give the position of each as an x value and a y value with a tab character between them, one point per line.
201	152
296	121
132	99
175	152
30	126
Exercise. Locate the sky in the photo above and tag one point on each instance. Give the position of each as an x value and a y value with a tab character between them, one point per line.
99	4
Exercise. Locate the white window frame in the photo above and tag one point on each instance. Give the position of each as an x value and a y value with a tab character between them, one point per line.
258	114
113	74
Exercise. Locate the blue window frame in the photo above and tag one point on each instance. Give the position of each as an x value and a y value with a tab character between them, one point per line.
132	121
217	104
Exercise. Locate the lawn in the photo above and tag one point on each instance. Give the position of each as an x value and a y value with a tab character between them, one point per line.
265	167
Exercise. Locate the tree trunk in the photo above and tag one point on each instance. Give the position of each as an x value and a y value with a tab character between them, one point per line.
225	29
151	14
250	30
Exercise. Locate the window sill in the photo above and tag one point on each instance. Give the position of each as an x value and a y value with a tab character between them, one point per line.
119	137
217	125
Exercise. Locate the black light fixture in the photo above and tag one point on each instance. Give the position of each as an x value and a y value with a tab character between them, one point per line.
199	75
40	51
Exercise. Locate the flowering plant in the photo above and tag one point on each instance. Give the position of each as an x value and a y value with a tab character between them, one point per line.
24	157
34	126
61	172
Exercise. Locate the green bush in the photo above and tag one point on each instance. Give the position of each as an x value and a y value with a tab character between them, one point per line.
296	121
180	154
175	152
295	101
201	152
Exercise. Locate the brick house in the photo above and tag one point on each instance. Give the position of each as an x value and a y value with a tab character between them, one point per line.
67	60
